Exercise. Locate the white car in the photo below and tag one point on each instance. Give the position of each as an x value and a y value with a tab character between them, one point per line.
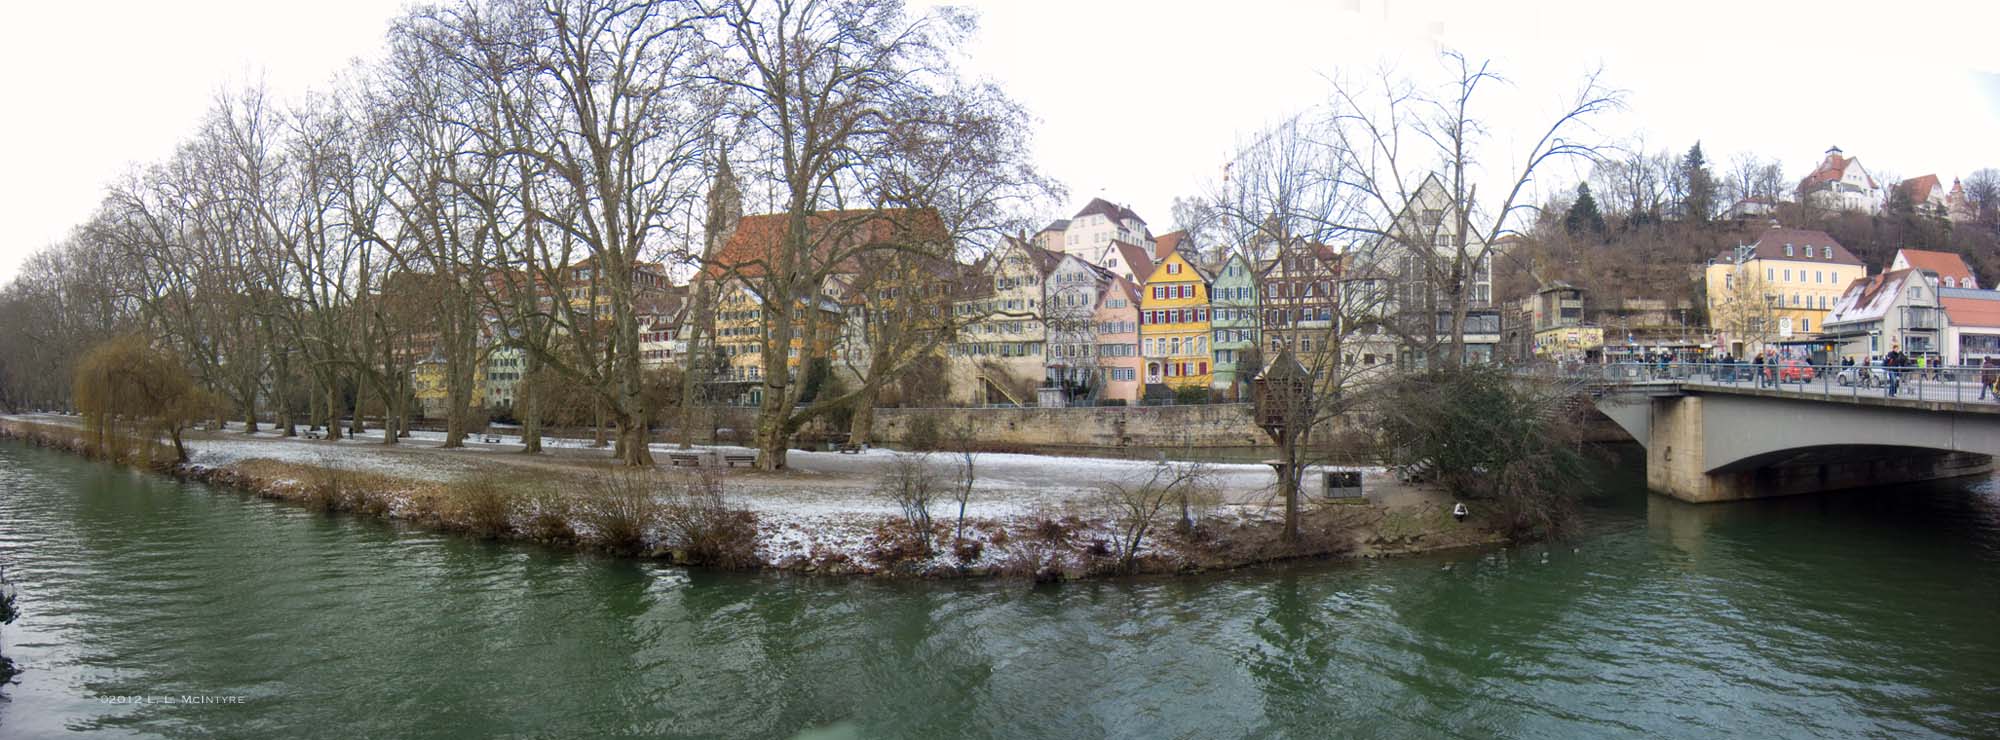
1866	376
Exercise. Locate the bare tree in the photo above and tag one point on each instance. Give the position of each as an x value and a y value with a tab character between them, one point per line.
856	118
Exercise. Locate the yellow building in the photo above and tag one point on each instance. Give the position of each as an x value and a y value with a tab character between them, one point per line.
1777	288
428	386
740	329
1174	325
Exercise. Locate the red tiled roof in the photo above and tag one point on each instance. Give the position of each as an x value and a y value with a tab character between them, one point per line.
1167	244
1942	264
755	243
1136	256
1972	312
1920	188
1832	169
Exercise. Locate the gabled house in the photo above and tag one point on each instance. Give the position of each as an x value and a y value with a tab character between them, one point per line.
1946	268
1840	183
1118	361
1235	321
1899	309
1424	266
1089	234
1070	298
1174	325
1925	195
999	357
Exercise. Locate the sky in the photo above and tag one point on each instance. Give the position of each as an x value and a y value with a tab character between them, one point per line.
1137	102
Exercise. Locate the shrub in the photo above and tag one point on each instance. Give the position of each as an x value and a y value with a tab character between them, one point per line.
326	489
479	506
913	485
545	514
703	529
620	510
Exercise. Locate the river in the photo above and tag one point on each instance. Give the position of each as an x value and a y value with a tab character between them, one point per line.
155	608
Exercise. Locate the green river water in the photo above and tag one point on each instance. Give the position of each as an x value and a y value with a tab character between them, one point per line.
160	609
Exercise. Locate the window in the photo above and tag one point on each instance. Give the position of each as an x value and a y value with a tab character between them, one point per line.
1159	292
1173	268
1828	251
1950	282
1769	274
1805	325
1788	276
1788	250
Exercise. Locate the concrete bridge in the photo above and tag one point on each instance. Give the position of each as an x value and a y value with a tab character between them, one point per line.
1713	434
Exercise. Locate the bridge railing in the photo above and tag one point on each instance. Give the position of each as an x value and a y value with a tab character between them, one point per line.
1944	383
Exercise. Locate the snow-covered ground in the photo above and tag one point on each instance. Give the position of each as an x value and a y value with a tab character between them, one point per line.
823	504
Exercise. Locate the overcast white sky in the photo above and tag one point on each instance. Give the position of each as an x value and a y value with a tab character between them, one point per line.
1139	101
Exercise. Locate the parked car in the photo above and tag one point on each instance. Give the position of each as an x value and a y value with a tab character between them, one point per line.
1795	371
1866	377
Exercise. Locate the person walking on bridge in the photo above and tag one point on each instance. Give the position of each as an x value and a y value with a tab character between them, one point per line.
1757	368
1989	373
1894	363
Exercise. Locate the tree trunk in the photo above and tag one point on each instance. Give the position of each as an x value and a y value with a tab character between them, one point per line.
331	406
636	439
528	411
861	428
360	391
1288	484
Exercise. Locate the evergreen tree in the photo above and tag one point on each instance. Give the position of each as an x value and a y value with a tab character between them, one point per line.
1583	215
1698	184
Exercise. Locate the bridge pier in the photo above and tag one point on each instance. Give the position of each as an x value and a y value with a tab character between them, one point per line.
1720	446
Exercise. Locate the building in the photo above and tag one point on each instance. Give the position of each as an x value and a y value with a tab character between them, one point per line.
1945	268
1118	361
741	277
1875	314
1926	195
1749	208
1972	325
1780	286
1424	265
1556	322
1235	320
1840	183
1070	299
1958	207
1089	235
505	367
1174	326
999	356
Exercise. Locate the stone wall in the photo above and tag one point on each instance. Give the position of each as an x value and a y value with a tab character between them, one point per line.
1206	425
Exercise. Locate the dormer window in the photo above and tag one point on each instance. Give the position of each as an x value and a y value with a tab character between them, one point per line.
1829	252
1788	250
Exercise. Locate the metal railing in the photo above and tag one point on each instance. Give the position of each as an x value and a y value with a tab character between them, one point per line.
1941	383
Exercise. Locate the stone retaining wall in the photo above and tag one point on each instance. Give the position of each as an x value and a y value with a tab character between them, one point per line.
1203	425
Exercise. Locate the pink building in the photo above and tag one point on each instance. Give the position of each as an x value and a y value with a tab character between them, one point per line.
1118	341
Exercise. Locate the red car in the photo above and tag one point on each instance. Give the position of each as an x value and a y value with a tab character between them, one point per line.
1795	371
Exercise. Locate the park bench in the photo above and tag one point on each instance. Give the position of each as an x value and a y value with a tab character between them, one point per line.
684	459
732	458
848	449
312	434
492	439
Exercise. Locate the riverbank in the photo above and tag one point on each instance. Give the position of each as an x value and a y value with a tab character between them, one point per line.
1031	516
